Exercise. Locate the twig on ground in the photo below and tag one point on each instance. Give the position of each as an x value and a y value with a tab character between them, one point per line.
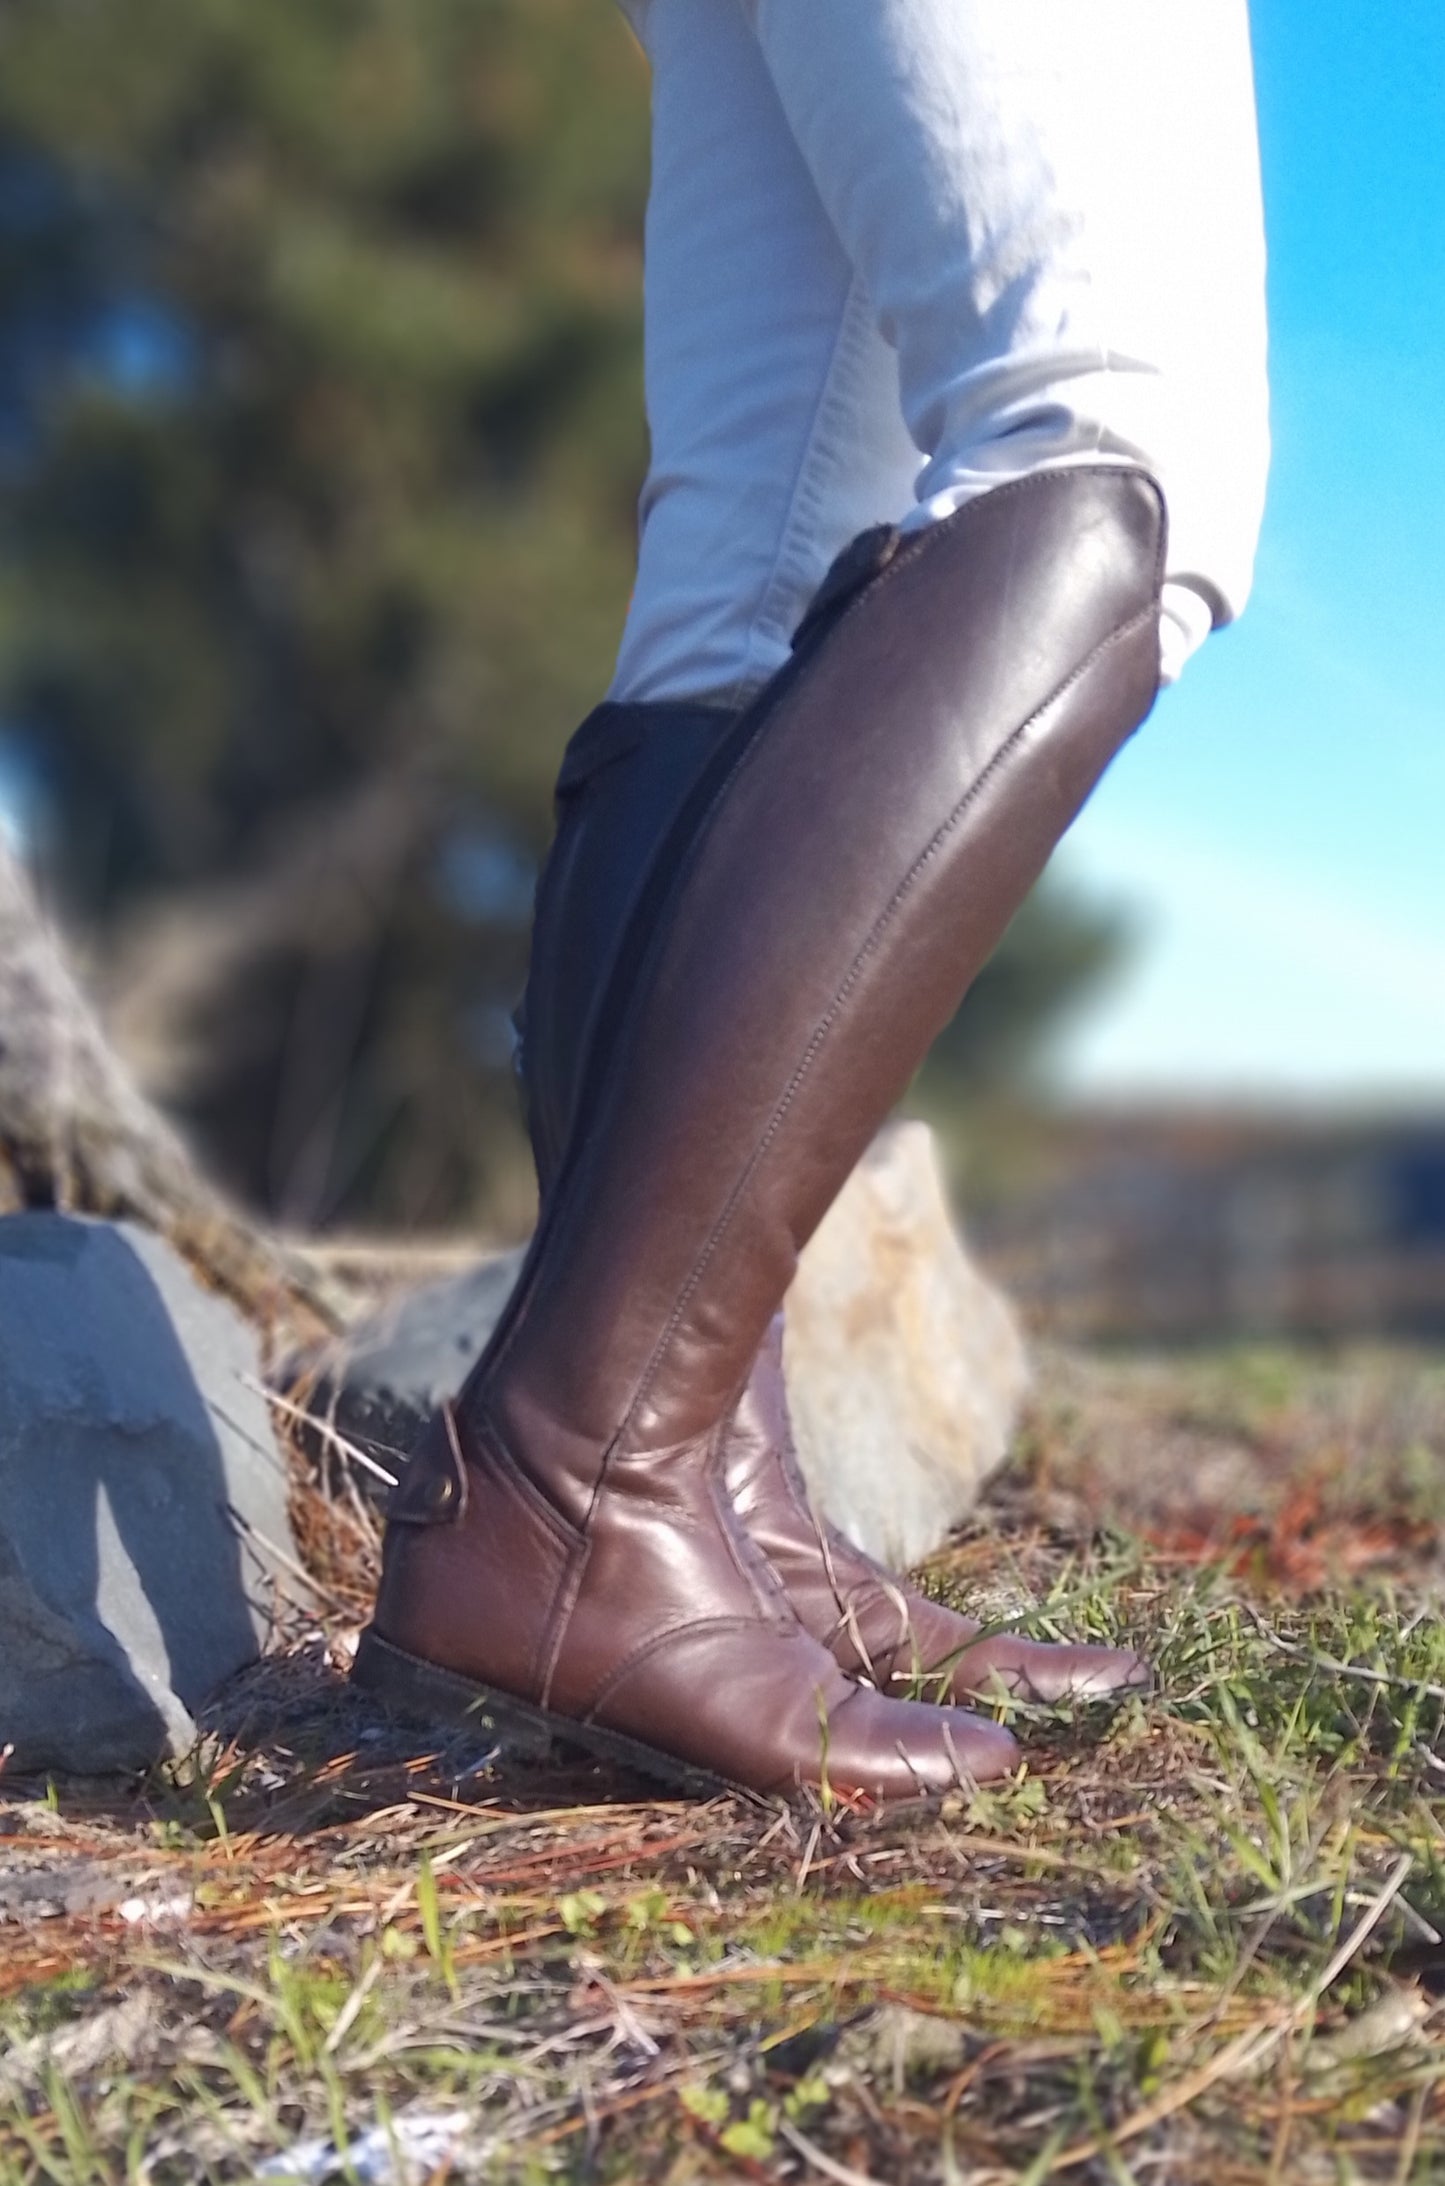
325	1428
841	2173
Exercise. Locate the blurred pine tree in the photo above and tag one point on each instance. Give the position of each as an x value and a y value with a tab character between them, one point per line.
320	405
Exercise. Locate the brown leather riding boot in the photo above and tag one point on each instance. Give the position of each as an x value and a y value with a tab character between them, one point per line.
624	779
562	1548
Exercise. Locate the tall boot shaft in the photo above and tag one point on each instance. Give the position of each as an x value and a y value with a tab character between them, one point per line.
625	778
851	858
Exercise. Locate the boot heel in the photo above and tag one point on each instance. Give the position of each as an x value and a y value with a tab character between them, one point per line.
423	1692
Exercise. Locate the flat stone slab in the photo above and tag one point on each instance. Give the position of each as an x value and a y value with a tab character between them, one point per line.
143	1522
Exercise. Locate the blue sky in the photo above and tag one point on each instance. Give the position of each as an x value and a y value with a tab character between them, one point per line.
1279	827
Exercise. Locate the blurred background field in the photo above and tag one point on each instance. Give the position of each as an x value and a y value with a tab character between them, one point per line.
320	440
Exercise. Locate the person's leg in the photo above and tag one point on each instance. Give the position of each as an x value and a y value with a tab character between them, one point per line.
772	397
1056	211
560	1541
679	1633
1057	289
777	435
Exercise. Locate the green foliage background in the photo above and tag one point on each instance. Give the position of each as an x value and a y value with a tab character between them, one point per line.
320	378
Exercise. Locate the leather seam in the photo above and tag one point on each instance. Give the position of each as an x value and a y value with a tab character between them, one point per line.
752	1580
558	1621
537	1506
652	1645
559	1534
996	764
733	1532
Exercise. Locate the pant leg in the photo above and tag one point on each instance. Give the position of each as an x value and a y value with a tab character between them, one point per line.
772	396
1054	205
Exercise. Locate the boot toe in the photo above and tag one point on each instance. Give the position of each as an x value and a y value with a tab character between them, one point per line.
1048	1674
900	1749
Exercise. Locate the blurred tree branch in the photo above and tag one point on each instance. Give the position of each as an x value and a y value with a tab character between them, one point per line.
76	1133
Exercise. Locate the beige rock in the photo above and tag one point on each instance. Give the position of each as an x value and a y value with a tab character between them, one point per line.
905	1366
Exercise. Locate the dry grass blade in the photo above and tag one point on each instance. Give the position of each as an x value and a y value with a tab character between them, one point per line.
1248	2050
841	2173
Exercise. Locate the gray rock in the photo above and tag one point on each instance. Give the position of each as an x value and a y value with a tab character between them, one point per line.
143	1524
905	1366
379	1386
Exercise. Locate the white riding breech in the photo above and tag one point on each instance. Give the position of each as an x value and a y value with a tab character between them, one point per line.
899	251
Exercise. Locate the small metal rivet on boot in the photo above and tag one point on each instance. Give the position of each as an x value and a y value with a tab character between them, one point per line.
432	1491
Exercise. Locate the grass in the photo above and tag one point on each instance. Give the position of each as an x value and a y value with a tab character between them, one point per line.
1197	1939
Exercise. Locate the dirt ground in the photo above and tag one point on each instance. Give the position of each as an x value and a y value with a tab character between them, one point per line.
1199	1938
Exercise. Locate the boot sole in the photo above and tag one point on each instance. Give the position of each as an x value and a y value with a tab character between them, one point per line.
423	1692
